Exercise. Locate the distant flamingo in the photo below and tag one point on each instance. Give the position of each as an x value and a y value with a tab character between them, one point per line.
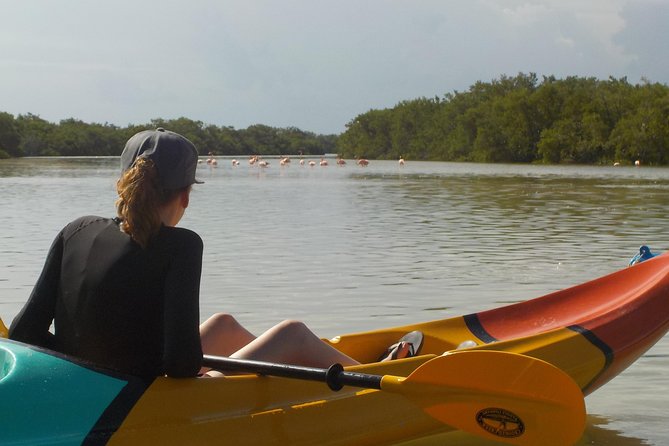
323	162
401	161
340	161
312	163
362	162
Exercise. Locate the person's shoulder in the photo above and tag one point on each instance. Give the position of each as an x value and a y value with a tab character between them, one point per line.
88	219
82	222
182	235
175	231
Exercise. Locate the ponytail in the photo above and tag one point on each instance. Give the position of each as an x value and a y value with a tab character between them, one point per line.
140	197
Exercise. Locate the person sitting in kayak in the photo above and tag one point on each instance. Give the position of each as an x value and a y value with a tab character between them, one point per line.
123	293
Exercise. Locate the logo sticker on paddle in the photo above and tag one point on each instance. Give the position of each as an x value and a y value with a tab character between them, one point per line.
500	422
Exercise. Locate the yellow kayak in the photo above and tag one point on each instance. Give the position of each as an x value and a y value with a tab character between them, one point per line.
489	383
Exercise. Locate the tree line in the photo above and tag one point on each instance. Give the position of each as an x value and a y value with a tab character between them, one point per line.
30	135
522	120
510	119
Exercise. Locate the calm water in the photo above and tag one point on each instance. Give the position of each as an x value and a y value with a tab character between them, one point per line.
351	249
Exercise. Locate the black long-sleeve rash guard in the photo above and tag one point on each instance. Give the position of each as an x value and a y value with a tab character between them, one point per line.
117	305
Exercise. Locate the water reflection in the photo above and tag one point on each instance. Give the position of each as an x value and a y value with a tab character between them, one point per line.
57	167
599	432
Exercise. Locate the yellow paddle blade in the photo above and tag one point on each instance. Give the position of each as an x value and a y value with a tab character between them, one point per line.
4	333
499	396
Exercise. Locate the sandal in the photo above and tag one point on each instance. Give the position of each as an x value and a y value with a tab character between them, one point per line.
414	340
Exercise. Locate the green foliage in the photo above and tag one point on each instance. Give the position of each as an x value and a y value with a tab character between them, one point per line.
35	135
520	119
9	136
30	135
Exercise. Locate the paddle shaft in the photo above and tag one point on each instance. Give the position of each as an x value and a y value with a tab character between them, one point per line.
334	376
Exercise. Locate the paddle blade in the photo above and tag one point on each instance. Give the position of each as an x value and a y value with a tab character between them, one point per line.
499	396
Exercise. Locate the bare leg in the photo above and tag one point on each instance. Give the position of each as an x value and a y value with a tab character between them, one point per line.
222	335
291	342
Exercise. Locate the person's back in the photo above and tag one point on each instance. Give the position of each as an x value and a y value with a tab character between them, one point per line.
123	293
112	305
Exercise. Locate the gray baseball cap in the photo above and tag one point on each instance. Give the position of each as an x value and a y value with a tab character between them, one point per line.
174	156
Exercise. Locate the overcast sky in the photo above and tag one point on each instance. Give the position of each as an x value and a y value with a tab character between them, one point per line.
309	64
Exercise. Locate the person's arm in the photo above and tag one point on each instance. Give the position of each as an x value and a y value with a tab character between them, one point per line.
32	323
183	350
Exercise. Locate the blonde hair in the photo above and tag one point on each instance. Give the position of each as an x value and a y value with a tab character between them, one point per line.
140	197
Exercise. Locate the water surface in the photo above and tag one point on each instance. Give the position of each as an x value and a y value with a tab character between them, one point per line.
350	249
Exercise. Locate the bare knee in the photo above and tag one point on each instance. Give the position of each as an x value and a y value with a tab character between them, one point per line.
220	320
295	331
221	334
219	325
292	326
